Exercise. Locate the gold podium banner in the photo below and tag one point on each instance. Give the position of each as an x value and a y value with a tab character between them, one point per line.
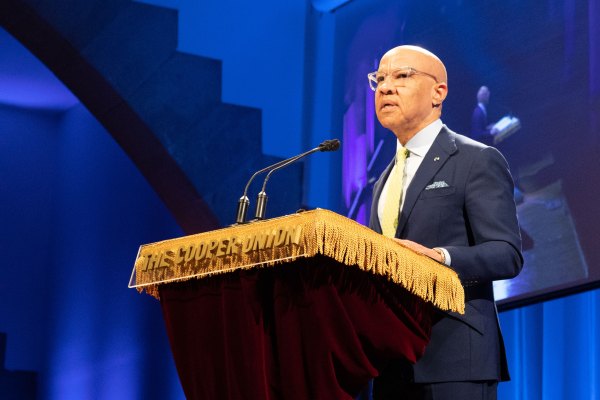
278	240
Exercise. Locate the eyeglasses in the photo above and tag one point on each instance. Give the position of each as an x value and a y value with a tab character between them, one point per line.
399	77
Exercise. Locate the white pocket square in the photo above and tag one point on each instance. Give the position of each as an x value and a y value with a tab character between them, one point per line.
437	185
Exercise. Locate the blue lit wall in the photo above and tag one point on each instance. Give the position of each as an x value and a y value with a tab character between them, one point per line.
74	210
28	164
105	340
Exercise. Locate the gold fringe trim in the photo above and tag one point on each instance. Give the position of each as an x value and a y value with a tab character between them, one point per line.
278	240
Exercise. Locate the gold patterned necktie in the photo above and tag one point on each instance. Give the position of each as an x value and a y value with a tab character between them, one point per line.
391	206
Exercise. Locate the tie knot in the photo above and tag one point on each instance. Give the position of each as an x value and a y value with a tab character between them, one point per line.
402	154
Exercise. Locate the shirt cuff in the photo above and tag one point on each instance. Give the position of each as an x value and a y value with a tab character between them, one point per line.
448	259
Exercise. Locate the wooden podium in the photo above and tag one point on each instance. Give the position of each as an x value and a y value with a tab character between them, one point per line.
306	306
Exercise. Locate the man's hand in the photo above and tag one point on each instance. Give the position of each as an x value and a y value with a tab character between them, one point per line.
420	249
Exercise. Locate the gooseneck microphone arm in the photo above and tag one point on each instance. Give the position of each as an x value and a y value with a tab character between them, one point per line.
244	202
261	203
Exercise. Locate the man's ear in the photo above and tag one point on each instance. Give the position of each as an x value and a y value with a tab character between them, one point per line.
439	93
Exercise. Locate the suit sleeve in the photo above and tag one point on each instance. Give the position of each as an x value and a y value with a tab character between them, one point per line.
494	250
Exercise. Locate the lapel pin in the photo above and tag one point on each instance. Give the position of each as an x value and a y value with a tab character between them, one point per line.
436	159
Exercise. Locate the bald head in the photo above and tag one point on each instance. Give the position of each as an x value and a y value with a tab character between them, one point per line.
421	59
405	104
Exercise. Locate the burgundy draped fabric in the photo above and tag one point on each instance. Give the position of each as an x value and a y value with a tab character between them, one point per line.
309	329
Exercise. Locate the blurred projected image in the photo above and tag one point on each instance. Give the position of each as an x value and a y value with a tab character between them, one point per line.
551	248
553	255
545	146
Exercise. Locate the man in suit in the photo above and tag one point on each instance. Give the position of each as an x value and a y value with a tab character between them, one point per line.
451	199
480	129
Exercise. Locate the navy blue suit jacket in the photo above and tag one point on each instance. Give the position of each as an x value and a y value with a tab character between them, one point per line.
474	218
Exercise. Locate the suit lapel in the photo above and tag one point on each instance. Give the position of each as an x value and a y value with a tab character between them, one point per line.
441	149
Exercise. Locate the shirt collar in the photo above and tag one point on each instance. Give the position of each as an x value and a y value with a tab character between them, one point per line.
420	143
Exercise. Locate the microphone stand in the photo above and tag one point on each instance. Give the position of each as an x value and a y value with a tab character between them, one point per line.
244	202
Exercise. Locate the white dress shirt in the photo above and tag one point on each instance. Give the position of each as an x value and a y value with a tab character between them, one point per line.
418	146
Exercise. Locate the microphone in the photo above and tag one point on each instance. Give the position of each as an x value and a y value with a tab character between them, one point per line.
244	202
261	203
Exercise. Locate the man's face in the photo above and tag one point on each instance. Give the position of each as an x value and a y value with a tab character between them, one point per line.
408	107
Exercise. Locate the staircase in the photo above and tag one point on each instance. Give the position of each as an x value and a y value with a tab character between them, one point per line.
162	106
